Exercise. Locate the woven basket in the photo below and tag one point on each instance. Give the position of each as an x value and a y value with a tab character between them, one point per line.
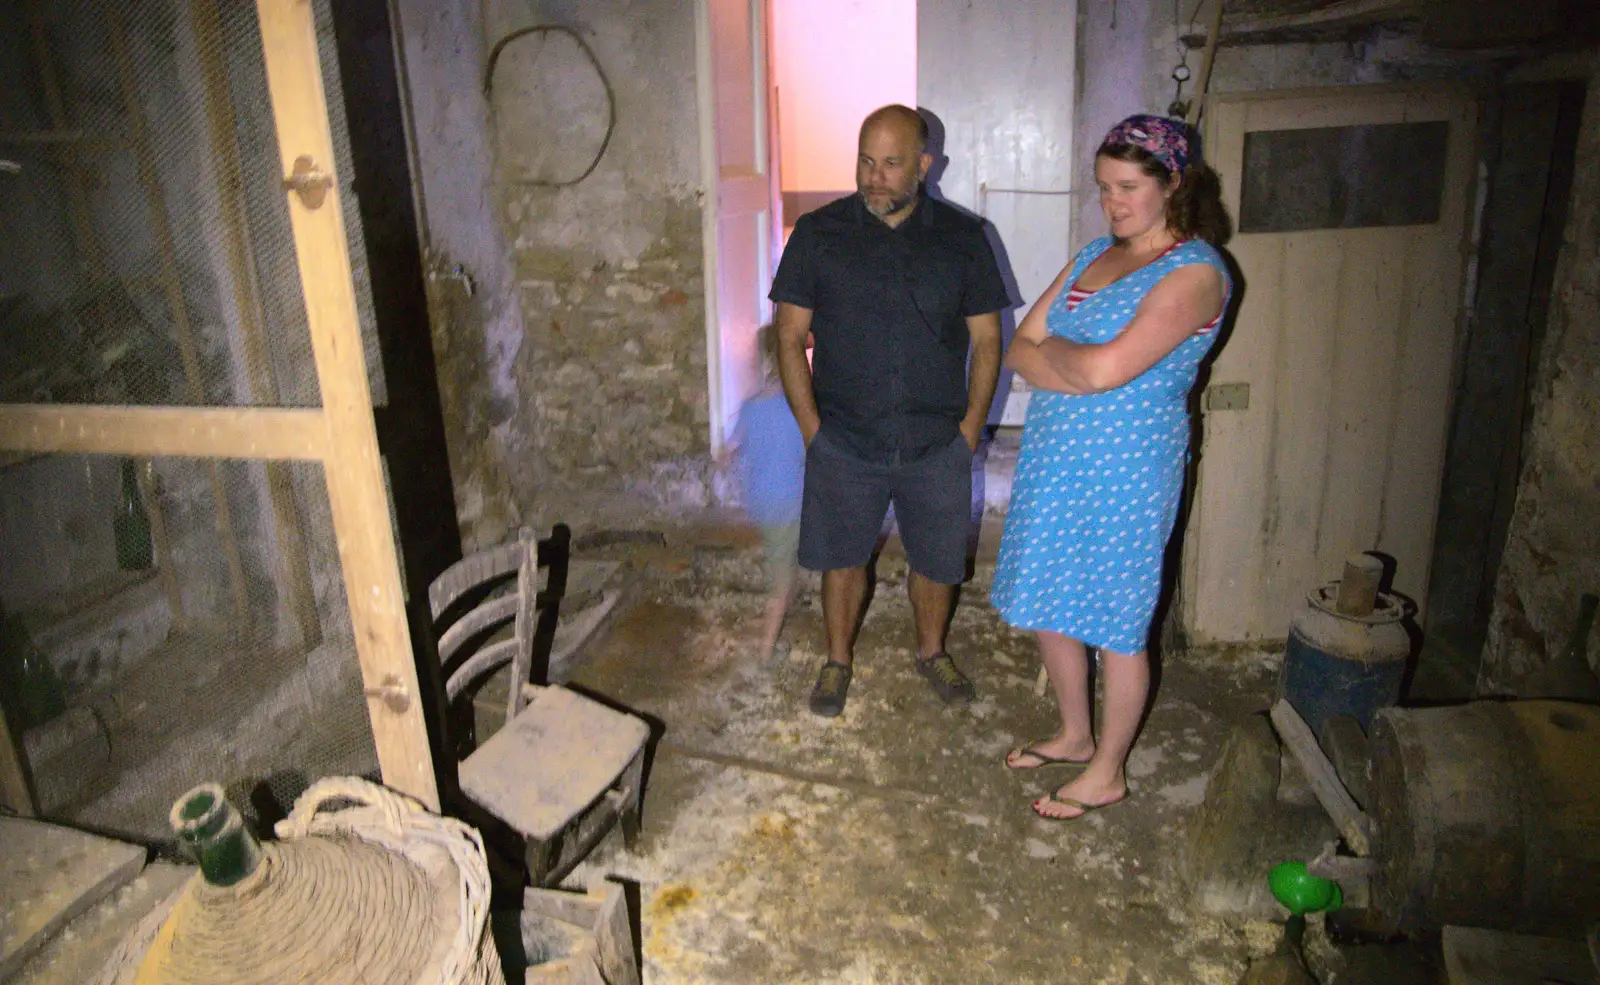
378	890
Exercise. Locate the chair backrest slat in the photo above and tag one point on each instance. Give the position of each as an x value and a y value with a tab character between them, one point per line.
482	618
527	615
473	571
479	664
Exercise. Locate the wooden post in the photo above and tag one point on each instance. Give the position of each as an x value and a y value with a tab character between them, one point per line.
1355	826
229	171
1358	589
1213	40
15	791
144	471
77	197
353	470
166	246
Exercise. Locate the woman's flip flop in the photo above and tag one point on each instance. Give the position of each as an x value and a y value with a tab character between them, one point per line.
1031	749
1083	809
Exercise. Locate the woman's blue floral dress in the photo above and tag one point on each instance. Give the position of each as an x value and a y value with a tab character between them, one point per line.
1099	477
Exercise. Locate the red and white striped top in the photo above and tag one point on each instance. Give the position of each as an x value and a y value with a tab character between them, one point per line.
1077	295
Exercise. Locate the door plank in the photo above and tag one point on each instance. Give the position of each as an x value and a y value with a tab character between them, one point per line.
1347	340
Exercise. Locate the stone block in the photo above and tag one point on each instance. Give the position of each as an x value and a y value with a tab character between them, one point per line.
79	952
1243	829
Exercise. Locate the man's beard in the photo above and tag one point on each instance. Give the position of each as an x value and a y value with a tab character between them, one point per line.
894	204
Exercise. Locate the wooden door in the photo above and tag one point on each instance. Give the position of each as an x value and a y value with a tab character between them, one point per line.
739	220
1353	208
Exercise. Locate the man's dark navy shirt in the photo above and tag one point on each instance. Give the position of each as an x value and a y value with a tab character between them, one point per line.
889	309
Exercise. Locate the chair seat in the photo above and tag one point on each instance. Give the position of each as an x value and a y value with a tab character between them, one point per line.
551	761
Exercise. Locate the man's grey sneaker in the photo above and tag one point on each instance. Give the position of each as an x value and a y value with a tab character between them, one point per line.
827	697
946	679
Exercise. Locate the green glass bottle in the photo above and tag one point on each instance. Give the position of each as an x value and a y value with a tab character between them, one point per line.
215	834
132	524
30	690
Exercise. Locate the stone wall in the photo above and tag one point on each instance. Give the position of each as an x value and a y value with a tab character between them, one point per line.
569	321
1552	552
609	408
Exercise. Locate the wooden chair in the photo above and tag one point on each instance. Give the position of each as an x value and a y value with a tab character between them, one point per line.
564	768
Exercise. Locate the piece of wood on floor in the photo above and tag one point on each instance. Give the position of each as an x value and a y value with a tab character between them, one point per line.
597	936
50	874
1475	956
78	954
1355	826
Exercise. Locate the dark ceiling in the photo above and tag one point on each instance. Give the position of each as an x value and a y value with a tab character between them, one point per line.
1509	26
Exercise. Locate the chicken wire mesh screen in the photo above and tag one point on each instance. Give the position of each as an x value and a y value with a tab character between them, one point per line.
146	255
166	621
141	652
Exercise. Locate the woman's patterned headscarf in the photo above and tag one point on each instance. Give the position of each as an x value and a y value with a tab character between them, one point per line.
1165	140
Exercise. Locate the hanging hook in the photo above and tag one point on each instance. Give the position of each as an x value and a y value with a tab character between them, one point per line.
1181	74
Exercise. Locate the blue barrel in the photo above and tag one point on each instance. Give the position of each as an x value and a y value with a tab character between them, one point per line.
1339	664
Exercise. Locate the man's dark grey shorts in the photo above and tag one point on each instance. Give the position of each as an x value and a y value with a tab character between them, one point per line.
846	499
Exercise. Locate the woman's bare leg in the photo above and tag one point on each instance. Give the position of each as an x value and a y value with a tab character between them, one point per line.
1105	780
778	601
1067	663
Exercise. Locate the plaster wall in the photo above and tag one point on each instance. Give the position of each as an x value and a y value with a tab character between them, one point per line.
997	78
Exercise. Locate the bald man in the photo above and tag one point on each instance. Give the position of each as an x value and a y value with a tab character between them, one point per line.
897	289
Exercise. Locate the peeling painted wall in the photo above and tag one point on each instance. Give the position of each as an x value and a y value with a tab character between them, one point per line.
569	321
477	325
1552	552
611	376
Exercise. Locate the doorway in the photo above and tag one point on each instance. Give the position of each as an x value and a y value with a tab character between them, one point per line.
1327	417
834	61
783	86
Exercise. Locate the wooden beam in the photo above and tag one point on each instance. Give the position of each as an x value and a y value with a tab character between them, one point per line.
16	793
1335	16
57	138
1197	102
272	433
354	472
1556	67
83	229
1355	826
167	250
88	242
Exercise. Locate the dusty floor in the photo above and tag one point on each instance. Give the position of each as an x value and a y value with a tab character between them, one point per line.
890	845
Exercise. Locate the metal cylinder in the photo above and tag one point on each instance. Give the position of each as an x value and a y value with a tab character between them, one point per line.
1488	815
1338	663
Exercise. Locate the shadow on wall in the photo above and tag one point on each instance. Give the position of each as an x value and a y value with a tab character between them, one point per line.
1008	317
1168	629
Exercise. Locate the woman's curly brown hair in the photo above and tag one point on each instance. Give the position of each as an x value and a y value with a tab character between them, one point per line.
1195	210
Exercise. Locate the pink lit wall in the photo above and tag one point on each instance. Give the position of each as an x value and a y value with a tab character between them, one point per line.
835	61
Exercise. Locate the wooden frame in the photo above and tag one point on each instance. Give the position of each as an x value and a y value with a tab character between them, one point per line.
340	435
1235	451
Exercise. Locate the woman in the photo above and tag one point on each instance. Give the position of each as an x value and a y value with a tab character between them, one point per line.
1111	349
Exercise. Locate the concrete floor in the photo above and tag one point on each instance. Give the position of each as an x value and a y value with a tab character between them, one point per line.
890	845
